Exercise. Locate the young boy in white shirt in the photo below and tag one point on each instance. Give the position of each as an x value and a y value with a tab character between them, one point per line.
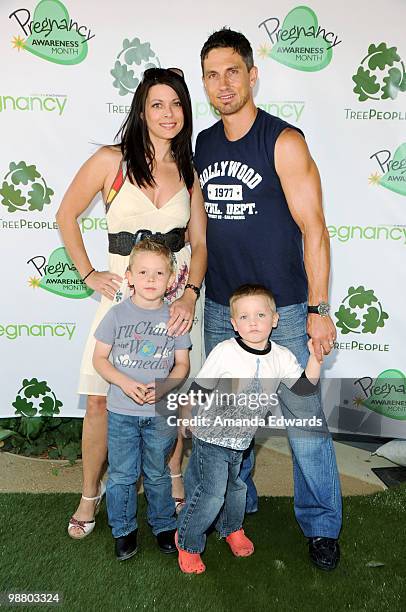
213	486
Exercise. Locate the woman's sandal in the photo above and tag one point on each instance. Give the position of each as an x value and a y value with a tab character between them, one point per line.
87	527
179	501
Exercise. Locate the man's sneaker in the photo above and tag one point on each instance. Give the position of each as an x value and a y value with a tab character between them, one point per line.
324	552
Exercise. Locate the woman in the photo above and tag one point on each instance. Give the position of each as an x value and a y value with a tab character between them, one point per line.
149	187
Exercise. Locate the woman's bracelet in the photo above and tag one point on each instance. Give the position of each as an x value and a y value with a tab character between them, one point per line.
193	288
88	274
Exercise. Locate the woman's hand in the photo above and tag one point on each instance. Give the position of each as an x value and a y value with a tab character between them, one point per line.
105	283
182	313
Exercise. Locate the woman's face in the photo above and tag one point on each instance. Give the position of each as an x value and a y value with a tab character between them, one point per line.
163	112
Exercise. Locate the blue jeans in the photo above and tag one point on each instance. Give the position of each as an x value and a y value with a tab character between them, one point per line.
317	494
215	493
135	445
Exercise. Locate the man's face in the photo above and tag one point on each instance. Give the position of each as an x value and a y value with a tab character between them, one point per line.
227	81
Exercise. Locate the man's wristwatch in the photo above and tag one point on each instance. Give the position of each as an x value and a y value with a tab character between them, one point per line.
321	309
193	288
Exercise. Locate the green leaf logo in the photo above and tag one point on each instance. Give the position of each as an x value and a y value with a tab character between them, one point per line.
134	58
380	56
46	405
363	314
381	75
21	191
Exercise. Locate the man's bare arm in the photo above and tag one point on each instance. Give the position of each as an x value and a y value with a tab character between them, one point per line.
300	181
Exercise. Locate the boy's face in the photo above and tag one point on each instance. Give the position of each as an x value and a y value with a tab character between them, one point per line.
254	319
150	275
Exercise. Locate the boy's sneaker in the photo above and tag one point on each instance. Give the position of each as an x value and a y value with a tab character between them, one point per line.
126	546
324	552
240	545
166	541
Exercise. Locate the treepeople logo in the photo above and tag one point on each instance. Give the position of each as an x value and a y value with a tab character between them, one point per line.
46	403
134	58
300	43
58	276
52	34
386	395
33	192
381	74
393	168
360	316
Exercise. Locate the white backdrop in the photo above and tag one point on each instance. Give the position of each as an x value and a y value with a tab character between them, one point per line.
65	89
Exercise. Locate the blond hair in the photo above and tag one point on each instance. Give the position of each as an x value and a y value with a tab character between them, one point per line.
248	290
148	245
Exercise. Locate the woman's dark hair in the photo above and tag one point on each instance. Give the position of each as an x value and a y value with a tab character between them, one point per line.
134	141
225	38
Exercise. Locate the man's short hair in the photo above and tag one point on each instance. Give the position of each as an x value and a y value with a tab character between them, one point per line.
225	38
248	290
150	246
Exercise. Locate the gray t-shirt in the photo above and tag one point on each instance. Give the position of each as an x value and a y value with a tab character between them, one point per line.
141	349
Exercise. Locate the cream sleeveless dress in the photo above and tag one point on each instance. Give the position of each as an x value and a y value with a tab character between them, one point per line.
128	209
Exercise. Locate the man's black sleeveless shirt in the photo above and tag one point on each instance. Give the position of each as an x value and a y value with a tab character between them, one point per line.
251	235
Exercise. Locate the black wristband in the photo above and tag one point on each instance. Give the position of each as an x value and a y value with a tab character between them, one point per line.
193	288
88	274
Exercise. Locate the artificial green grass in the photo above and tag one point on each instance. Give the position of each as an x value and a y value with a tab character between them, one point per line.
36	554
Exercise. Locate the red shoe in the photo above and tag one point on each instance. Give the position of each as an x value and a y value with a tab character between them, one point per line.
240	545
189	563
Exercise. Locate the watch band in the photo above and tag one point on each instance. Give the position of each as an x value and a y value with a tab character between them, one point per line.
193	288
321	309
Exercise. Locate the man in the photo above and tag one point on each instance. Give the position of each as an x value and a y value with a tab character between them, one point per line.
266	225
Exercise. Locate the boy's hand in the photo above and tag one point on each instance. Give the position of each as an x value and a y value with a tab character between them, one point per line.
134	389
152	396
312	351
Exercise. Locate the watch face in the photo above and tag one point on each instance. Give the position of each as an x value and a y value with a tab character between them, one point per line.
324	309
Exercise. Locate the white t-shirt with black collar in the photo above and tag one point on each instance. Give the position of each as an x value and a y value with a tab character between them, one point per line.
234	374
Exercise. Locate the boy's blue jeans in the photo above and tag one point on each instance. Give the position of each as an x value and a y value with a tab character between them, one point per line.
317	494
215	493
139	445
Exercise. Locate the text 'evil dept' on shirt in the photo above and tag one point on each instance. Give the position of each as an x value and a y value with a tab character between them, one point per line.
251	234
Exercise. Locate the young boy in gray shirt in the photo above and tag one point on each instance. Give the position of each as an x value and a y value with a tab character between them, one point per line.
133	350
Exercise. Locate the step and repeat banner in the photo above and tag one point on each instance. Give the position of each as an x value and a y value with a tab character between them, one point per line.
336	70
